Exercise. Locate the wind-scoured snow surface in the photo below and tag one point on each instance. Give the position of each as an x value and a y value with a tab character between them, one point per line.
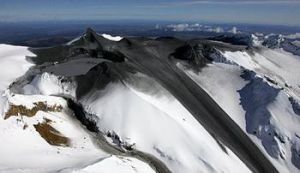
22	148
142	107
13	65
158	124
260	91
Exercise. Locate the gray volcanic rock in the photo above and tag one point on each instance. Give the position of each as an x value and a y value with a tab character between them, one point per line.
157	58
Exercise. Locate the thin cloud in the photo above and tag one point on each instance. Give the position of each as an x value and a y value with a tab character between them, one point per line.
236	2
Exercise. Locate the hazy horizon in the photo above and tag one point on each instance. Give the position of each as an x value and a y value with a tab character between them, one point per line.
261	12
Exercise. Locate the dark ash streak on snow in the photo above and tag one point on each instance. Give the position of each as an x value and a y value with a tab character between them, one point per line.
156	59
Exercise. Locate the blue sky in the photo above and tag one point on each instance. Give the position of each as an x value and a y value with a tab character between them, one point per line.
282	12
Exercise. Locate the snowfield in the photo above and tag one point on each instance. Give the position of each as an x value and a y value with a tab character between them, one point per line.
13	63
116	164
270	112
112	38
23	149
21	140
150	121
279	65
143	113
226	95
40	132
49	84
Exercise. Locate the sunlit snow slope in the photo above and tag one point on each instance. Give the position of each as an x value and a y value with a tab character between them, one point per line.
26	142
110	104
260	90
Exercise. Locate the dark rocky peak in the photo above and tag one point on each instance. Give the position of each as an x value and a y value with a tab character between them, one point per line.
90	35
197	54
273	41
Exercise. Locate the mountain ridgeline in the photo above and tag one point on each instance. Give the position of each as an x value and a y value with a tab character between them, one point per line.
116	61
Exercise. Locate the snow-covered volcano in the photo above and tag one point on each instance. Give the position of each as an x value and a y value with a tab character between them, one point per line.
109	104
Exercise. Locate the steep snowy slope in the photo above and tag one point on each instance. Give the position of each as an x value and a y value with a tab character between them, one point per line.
39	133
104	103
277	65
148	120
23	144
13	65
260	91
127	58
160	125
